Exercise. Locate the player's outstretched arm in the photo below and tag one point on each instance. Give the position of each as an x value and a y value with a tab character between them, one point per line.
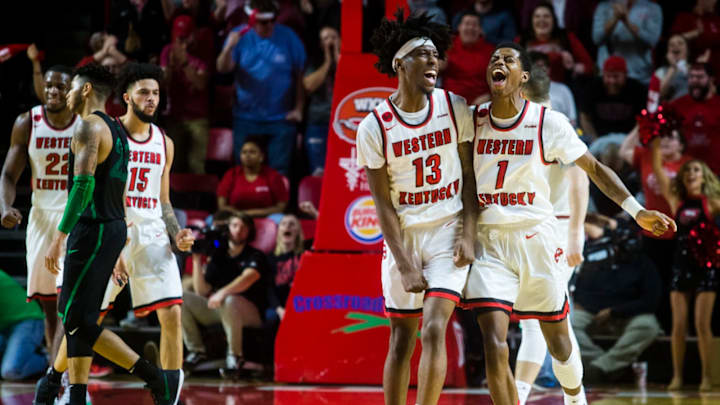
182	238
662	177
15	161
464	253
578	201
411	271
610	184
90	136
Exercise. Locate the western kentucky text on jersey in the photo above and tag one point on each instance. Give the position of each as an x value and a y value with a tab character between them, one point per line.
505	199
504	147
140	156
423	142
50	184
52	142
141	202
430	196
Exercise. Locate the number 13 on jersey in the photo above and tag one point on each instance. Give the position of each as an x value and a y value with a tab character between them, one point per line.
432	162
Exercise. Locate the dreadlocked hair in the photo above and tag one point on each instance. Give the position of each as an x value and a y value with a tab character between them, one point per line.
390	36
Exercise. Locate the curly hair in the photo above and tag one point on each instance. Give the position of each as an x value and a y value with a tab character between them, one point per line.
390	36
100	77
135	72
711	184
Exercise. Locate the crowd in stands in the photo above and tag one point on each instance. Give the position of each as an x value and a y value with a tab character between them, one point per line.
267	76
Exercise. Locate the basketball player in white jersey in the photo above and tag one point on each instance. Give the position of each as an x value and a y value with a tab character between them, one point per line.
151	266
569	195
519	265
41	137
416	150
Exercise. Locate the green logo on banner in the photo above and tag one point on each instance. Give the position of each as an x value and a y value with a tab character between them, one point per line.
365	322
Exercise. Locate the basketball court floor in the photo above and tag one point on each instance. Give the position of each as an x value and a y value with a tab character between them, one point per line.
122	391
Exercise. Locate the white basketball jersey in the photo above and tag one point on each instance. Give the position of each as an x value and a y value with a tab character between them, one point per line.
422	160
512	165
145	169
48	150
560	191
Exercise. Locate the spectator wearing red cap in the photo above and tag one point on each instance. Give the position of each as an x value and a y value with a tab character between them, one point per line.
631	29
609	104
467	60
187	80
701	118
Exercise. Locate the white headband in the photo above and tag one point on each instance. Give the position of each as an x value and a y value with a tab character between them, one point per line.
262	16
410	46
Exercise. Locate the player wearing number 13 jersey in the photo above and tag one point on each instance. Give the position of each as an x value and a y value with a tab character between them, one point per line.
415	147
42	138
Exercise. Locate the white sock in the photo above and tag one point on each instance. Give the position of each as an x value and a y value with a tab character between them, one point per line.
523	390
578	399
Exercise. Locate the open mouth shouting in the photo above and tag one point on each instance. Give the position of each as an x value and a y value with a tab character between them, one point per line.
499	77
430	77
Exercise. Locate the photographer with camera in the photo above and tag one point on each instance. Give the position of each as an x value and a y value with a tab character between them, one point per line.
229	289
616	293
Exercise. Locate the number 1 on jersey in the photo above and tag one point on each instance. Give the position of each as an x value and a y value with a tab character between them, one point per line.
502	168
433	162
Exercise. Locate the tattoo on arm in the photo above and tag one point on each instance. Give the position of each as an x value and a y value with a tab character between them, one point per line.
85	142
171	223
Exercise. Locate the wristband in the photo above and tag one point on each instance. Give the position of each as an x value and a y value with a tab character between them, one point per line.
631	206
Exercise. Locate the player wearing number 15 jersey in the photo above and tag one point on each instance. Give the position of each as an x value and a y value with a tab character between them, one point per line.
42	137
415	147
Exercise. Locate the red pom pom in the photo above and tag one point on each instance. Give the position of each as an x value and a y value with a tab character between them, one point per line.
703	243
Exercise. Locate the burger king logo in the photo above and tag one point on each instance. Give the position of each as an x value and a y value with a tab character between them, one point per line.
354	107
361	221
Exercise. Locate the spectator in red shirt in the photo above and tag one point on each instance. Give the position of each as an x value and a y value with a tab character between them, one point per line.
701	121
467	60
701	28
568	56
253	187
187	80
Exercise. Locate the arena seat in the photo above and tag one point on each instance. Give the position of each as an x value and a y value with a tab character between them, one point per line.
219	156
309	190
194	191
265	235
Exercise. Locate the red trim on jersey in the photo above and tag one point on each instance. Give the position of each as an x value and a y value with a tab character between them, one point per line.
540	139
452	114
145	310
403	313
104	312
384	135
514	125
129	137
488	304
546	316
443	293
47	122
41	297
405	124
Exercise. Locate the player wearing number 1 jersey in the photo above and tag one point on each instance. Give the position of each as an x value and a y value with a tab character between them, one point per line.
519	265
416	150
41	137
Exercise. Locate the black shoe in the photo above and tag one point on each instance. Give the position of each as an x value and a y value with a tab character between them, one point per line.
46	392
193	359
151	352
166	390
